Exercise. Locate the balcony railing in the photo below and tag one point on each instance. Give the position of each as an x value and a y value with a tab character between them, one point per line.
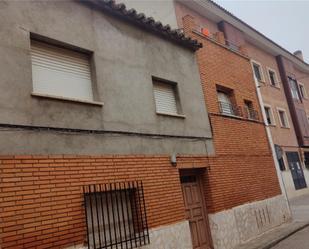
229	109
237	111
250	113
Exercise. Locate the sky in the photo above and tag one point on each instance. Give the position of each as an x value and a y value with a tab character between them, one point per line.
286	22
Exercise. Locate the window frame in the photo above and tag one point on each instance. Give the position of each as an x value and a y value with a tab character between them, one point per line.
49	42
270	70
272	115
303	94
290	79
175	89
254	62
123	204
252	114
279	109
230	95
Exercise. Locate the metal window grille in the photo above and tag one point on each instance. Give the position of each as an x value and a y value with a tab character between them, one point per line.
229	109
116	215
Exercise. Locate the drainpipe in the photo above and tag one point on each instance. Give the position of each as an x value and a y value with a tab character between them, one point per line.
271	144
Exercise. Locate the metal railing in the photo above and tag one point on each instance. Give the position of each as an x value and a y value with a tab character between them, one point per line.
116	215
234	110
229	109
251	113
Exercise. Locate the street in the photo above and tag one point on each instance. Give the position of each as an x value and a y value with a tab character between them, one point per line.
300	212
299	240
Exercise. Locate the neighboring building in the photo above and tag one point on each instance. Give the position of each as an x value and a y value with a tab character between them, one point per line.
96	99
295	80
282	79
243	197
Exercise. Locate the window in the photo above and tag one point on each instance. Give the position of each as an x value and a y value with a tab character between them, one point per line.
281	164
283	118
249	110
302	90
166	100
225	103
269	115
294	90
116	215
257	70
60	72
273	77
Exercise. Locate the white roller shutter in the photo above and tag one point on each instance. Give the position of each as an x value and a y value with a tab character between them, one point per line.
60	72
165	98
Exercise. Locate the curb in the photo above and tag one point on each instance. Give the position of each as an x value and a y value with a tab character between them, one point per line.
277	241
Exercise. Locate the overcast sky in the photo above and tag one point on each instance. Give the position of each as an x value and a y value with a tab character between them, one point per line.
284	21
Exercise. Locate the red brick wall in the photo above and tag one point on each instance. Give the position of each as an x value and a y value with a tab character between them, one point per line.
41	196
243	169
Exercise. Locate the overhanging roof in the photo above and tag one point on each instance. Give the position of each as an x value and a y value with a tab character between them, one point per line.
146	23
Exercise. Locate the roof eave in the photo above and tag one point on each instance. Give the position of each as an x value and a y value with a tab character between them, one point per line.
146	23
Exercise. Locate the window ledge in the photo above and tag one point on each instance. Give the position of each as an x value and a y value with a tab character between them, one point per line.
88	102
276	87
231	115
171	115
285	127
262	81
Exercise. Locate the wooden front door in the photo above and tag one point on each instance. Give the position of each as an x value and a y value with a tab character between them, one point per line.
196	212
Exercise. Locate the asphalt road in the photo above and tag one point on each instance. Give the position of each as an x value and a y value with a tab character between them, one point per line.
299	240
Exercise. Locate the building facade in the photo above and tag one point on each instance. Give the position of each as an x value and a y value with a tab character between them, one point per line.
121	131
279	77
104	124
242	150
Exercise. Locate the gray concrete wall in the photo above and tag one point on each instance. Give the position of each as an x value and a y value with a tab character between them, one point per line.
125	59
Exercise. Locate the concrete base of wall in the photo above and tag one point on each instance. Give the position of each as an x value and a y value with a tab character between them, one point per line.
233	227
175	236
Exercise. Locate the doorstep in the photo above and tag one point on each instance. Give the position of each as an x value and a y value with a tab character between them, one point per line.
270	238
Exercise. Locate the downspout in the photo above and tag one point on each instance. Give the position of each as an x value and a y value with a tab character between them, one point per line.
271	144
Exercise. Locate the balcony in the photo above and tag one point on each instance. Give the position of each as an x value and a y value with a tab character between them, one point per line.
237	111
250	113
229	109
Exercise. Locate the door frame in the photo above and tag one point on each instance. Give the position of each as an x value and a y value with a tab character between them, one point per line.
198	174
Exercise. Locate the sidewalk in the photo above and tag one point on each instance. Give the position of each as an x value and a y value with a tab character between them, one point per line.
300	214
269	239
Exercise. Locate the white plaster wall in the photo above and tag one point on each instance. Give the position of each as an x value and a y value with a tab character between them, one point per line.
175	236
235	226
